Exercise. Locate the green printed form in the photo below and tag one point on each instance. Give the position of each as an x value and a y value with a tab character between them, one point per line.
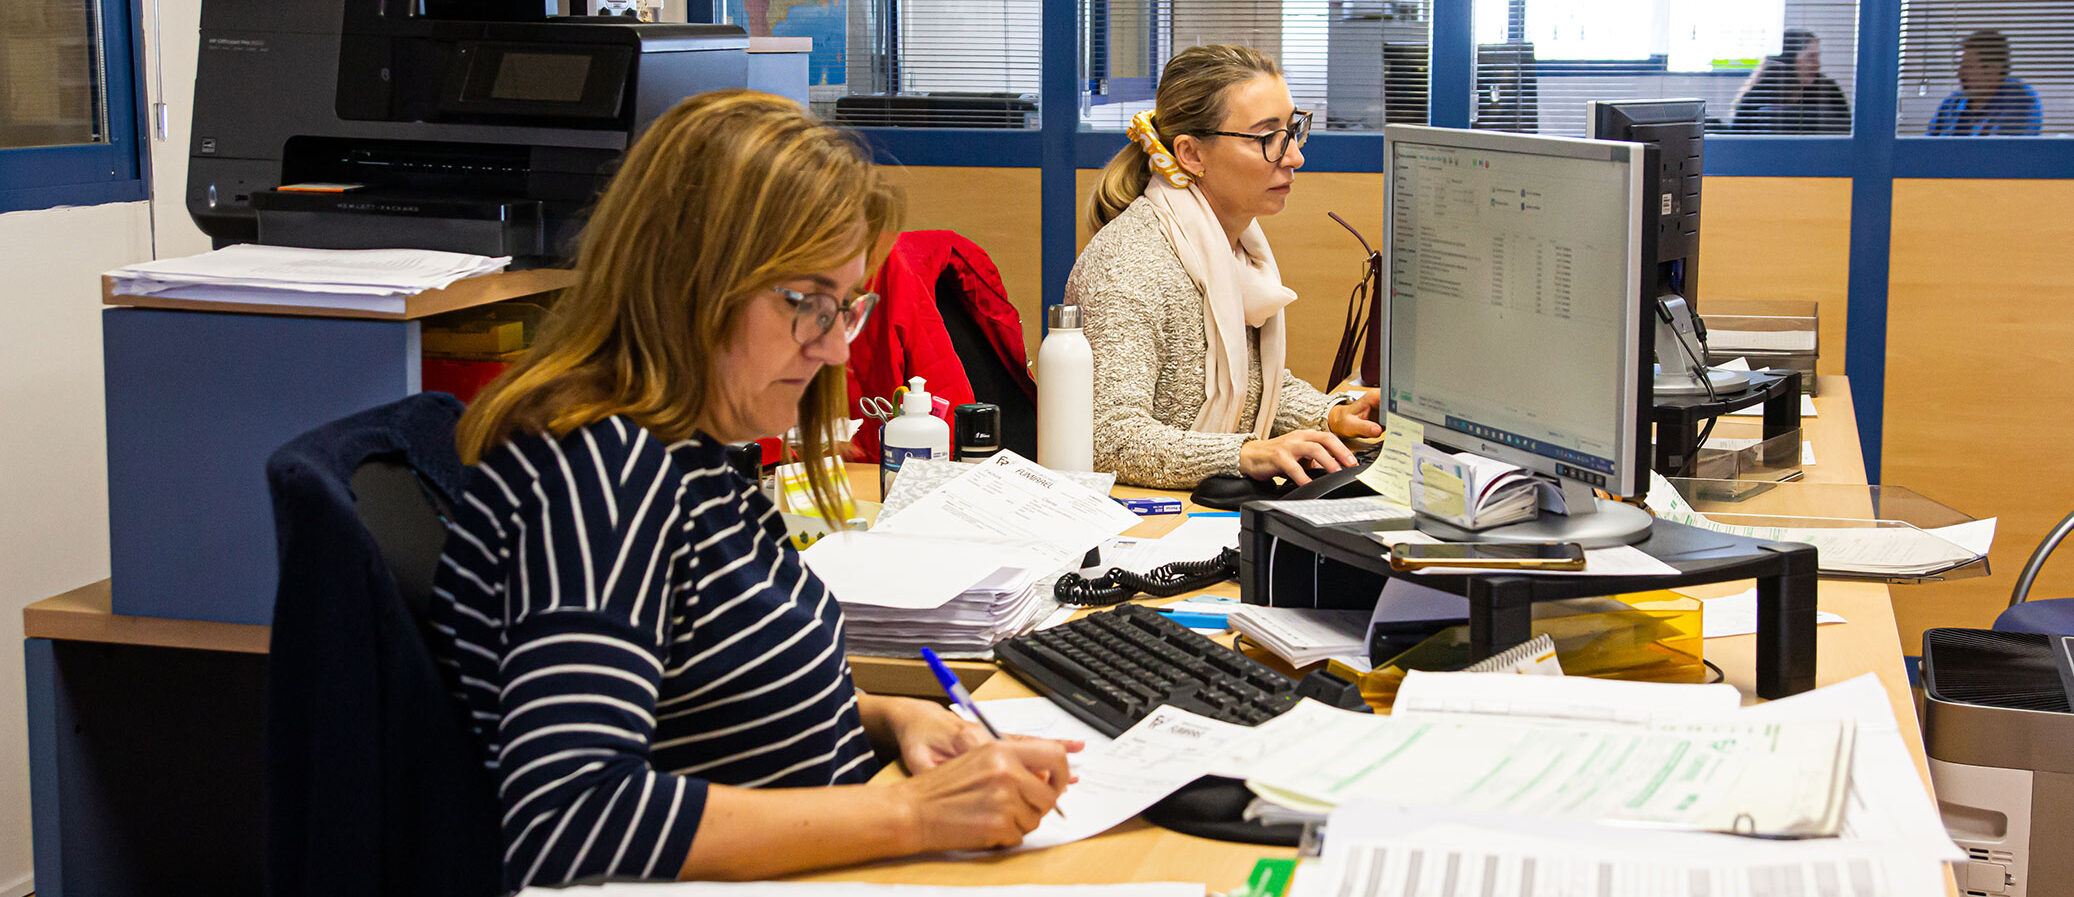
1686	776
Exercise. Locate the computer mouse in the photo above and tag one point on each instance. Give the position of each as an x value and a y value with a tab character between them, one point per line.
1226	492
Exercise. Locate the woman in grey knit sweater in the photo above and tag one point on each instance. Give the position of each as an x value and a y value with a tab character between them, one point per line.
1181	297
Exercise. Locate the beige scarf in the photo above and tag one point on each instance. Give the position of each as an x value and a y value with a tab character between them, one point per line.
1240	289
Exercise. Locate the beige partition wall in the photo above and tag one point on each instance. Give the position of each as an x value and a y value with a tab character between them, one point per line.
1780	238
1318	258
1980	376
998	208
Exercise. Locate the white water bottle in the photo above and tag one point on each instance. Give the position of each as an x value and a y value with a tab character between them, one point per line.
916	433
1065	394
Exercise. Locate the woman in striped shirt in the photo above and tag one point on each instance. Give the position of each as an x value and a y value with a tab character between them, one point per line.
658	683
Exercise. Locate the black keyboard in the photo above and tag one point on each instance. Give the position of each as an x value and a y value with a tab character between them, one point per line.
1110	669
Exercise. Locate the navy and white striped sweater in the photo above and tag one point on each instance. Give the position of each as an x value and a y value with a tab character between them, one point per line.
626	623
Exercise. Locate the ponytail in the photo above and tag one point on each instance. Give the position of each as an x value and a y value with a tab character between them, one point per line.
1190	101
1122	181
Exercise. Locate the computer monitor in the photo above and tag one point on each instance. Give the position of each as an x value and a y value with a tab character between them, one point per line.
1521	275
1676	128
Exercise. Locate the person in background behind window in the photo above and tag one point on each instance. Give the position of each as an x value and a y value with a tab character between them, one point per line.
1988	102
1788	94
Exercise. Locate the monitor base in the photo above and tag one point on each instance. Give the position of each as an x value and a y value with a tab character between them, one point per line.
1613	523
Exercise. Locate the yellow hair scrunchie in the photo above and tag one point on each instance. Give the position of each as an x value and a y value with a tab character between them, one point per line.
1146	135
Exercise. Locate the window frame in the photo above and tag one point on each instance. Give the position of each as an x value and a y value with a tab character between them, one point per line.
47	177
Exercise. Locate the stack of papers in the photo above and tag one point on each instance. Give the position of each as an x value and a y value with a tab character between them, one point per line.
1891	549
373	280
1304	636
1890	840
967	565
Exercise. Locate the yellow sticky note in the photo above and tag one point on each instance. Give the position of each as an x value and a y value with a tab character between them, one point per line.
1390	475
1442	496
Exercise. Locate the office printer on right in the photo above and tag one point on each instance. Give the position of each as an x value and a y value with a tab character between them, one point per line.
1999	732
477	126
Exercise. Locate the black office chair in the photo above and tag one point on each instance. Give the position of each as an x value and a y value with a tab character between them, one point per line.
2052	616
991	380
374	782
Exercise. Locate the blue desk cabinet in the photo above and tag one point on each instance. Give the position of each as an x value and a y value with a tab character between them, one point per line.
145	722
197	400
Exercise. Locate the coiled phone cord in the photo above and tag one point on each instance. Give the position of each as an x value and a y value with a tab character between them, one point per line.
1118	585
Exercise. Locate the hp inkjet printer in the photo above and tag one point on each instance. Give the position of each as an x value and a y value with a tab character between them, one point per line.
478	126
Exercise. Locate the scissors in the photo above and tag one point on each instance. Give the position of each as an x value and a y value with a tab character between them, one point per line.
878	409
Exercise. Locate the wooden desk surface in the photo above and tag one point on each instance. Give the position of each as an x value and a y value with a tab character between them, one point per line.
1139	851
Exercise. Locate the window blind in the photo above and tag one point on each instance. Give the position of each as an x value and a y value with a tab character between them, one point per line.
1356	64
1540	61
2039	35
50	74
911	63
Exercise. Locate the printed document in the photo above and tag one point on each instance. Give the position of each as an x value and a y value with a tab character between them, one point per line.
1380	850
1009	499
1557	699
1719	775
1167	749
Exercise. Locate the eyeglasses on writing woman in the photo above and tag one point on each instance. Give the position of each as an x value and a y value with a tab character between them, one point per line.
814	314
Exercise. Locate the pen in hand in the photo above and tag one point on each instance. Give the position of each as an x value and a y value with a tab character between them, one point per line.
963	698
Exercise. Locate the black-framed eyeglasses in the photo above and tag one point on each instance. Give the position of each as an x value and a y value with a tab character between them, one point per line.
1276	143
814	314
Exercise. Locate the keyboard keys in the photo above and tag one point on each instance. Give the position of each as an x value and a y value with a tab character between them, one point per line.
1112	668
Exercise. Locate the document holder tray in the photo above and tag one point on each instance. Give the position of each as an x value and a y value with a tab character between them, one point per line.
1286	562
1752	503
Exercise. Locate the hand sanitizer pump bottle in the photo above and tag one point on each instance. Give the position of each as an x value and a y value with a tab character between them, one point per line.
1065	394
916	433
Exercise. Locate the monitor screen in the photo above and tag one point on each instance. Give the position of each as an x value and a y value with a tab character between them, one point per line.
1514	320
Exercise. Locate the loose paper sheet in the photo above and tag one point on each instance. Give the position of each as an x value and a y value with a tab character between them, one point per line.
1390	474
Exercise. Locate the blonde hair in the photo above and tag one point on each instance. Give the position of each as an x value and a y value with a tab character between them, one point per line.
726	195
1191	100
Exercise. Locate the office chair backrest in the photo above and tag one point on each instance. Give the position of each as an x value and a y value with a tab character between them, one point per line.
407	520
991	379
2052	616
374	782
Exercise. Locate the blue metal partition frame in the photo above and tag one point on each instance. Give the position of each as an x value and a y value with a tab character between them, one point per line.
1872	156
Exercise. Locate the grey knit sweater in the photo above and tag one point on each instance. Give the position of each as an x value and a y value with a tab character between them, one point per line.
1144	320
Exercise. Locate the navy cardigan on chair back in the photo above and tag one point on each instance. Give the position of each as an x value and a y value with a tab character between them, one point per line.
374	783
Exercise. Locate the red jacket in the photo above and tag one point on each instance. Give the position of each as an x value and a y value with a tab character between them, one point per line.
906	337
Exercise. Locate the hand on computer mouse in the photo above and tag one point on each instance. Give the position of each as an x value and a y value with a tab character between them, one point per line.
1286	455
1356	419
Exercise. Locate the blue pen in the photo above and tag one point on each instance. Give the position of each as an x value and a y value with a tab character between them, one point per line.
963	698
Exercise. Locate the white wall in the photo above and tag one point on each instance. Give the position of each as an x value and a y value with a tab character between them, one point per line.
53	450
